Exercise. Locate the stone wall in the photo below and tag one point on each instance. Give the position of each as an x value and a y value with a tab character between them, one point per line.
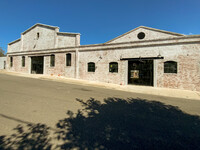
15	46
186	56
17	64
38	38
60	68
43	37
66	40
188	76
2	61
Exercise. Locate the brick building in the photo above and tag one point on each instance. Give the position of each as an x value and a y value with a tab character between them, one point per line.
142	56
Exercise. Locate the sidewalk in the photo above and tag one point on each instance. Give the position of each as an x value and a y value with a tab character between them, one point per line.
177	93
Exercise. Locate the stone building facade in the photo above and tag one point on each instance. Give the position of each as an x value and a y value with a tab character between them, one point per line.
2	62
142	56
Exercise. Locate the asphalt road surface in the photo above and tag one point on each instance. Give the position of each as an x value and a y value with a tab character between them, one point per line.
26	100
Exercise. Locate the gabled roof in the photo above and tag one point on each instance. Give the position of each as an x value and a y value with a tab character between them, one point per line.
148	28
41	25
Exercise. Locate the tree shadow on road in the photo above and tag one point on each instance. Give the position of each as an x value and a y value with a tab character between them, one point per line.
129	124
118	124
29	137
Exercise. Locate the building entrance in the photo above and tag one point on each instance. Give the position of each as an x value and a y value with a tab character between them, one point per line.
140	72
37	64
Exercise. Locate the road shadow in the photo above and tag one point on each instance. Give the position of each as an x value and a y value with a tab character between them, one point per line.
27	137
119	124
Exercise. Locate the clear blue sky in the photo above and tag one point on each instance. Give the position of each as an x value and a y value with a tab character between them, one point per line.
98	20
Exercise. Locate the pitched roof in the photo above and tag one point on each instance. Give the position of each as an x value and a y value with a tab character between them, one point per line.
42	25
148	28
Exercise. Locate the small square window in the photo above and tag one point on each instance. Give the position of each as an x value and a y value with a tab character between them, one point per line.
113	67
170	67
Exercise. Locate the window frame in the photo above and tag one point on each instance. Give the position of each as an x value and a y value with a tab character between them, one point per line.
112	69
68	62
23	61
91	68
171	67
52	61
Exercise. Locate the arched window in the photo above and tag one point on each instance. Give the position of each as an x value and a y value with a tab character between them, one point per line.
113	67
11	61
91	67
68	59
170	67
23	61
52	60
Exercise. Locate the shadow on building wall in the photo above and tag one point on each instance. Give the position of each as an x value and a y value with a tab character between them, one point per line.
115	124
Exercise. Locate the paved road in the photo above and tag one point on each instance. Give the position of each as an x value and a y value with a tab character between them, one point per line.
24	100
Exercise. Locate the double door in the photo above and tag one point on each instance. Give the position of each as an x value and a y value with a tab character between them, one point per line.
140	72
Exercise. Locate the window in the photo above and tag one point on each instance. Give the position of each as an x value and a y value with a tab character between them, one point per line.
113	67
68	60
141	35
52	60
23	61
11	61
170	67
38	35
91	67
